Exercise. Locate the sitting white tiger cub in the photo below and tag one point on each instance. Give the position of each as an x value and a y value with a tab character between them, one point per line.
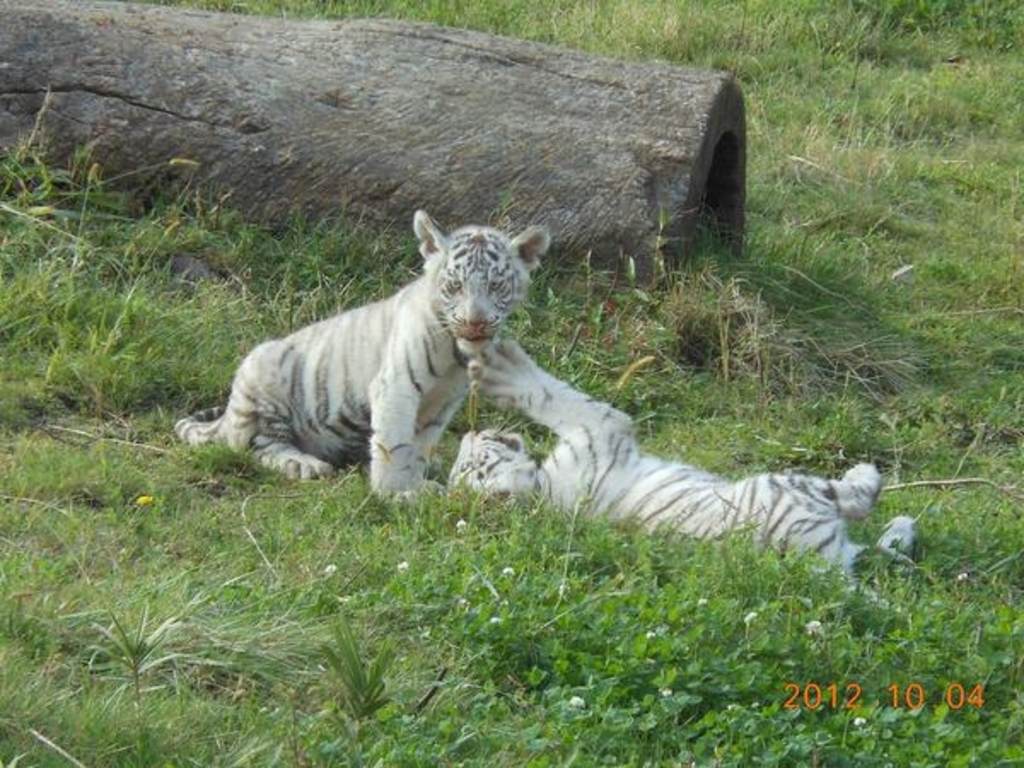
381	380
597	462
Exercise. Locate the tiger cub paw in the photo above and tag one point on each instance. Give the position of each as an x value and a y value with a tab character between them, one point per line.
293	463
305	468
396	470
428	487
899	536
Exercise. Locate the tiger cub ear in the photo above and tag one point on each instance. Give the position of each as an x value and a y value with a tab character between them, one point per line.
432	240
511	440
531	244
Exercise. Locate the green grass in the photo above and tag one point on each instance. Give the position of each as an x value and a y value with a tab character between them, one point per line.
172	606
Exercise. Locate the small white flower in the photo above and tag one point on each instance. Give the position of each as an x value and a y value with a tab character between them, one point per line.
330	569
403	566
749	618
460	526
577	702
702	602
495	619
651	635
462	602
508	572
813	627
963	576
665	692
859	721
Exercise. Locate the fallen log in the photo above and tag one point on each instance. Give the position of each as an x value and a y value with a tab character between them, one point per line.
376	118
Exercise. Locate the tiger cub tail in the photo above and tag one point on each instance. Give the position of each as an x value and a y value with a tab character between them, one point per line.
858	491
201	427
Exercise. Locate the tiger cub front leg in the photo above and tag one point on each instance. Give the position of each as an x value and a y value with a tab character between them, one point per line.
508	376
397	464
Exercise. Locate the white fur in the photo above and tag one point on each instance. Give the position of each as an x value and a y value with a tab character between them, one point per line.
597	461
383	380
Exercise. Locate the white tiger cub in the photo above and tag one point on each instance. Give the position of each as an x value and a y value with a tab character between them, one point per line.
597	462
383	380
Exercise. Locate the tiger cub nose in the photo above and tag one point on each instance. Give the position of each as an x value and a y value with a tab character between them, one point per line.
475	330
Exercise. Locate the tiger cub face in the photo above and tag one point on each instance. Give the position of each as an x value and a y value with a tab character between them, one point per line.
494	462
480	276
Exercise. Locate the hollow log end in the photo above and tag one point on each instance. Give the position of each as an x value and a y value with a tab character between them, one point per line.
716	198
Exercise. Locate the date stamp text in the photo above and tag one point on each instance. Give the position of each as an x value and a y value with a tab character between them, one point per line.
913	696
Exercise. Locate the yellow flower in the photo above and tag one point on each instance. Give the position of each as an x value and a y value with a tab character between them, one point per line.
144	500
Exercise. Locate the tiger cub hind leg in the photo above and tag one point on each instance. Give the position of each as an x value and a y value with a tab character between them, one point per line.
898	538
242	427
289	459
858	491
856	495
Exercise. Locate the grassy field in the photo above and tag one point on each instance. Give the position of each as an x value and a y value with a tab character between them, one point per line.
169	607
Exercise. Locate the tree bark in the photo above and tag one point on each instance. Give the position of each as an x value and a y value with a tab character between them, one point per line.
375	118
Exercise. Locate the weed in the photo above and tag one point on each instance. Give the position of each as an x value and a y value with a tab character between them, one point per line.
361	685
137	652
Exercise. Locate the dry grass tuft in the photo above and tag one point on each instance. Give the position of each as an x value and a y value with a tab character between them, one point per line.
726	327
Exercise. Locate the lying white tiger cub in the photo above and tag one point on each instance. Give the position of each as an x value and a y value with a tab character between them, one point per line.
382	380
597	461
